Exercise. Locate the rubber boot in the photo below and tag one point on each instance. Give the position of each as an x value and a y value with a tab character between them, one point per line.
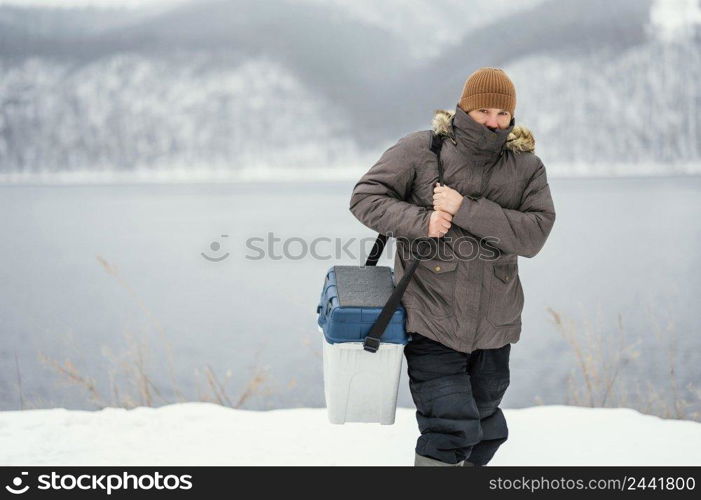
421	461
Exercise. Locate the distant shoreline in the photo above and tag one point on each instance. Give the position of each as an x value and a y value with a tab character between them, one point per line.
331	174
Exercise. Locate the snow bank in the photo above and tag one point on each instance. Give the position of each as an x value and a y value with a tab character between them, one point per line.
209	434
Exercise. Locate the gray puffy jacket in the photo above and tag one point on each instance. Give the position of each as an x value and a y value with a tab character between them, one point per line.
468	295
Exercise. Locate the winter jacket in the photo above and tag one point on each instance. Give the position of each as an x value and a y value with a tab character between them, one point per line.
468	295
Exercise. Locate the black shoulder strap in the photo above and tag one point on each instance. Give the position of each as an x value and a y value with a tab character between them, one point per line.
436	146
372	341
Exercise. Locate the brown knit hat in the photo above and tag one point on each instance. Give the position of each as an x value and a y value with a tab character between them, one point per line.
488	88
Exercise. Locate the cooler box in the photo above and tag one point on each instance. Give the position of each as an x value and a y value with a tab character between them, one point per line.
360	386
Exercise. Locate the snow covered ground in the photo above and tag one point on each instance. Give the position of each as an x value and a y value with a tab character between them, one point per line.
209	434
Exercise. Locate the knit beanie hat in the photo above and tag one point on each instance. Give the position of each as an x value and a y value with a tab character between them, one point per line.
488	88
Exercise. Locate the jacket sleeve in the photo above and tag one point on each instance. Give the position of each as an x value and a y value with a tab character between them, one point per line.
523	231
378	198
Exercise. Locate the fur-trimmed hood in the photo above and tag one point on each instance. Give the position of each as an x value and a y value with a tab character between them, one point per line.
520	139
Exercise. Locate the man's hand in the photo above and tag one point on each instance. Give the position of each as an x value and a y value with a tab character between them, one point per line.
439	223
446	199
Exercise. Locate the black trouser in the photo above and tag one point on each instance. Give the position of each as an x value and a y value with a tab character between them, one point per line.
457	398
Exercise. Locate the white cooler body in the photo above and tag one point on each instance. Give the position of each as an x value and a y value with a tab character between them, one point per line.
361	386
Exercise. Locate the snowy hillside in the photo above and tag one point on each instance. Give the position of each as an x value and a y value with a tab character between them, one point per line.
117	114
214	87
207	434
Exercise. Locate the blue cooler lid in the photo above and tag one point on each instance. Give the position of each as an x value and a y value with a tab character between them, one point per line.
351	301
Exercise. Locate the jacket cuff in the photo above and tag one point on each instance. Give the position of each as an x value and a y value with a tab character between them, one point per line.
420	230
464	213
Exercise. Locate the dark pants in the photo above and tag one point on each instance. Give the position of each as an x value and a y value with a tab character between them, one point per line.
457	397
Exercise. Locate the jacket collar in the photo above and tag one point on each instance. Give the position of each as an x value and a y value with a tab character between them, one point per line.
477	139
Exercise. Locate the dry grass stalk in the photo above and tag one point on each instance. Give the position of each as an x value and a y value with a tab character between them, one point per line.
600	359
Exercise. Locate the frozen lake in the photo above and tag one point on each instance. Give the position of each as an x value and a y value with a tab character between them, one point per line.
105	292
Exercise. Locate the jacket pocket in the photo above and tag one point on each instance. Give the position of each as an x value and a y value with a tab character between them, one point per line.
505	295
432	288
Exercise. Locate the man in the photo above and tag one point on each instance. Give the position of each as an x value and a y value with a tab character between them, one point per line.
464	302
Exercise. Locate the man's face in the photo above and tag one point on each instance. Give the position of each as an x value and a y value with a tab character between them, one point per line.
492	118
